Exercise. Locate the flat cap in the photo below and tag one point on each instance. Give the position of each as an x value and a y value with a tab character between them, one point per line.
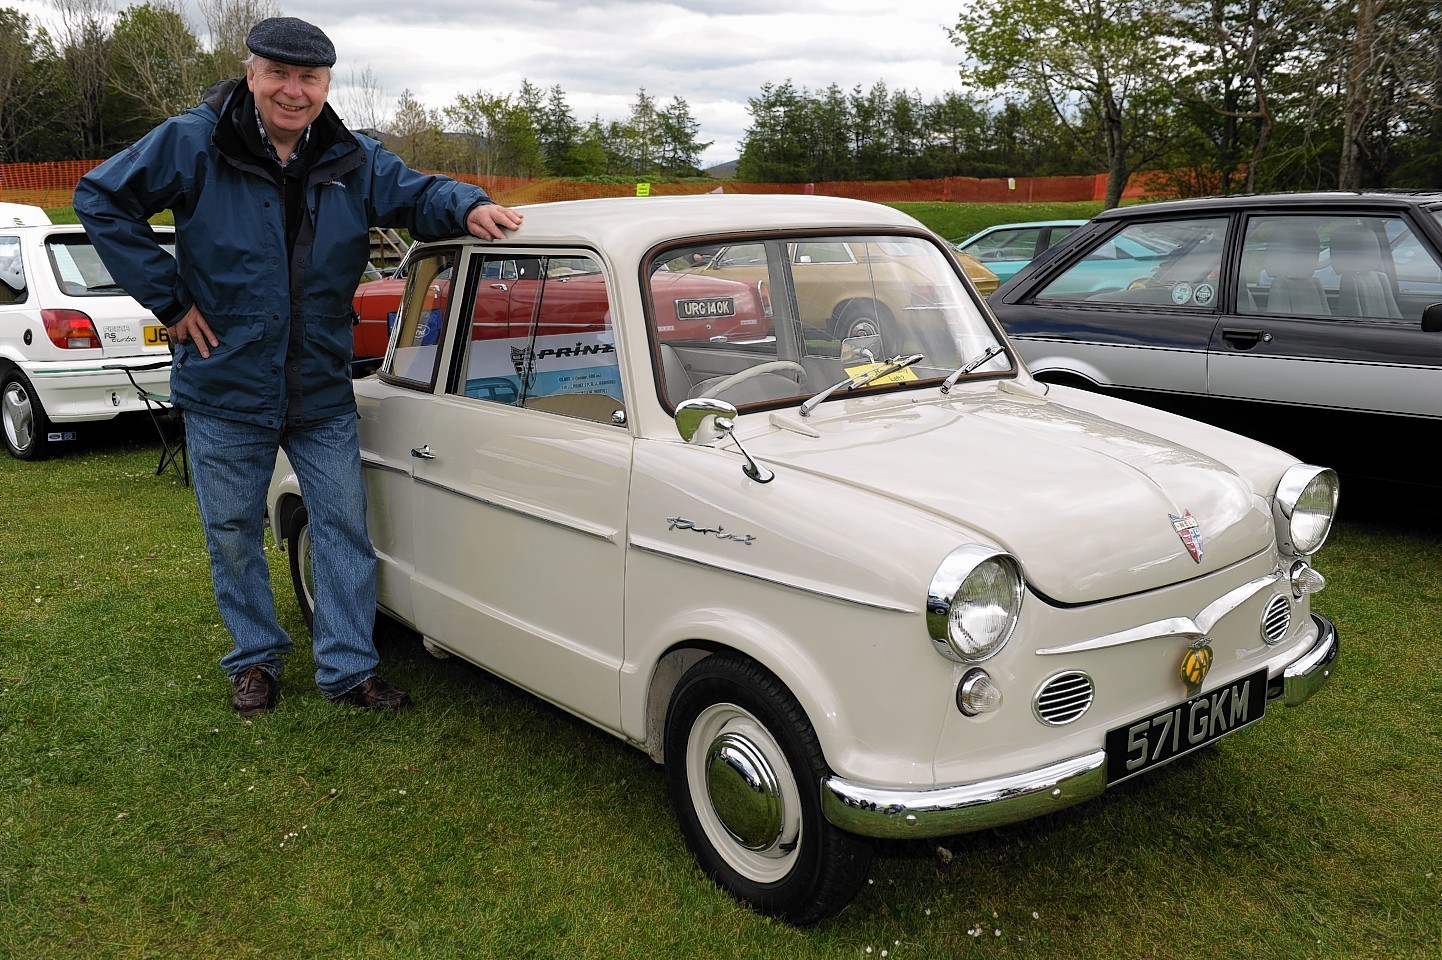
291	40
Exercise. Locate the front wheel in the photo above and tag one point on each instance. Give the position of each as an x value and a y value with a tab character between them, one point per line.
23	418
297	544
743	771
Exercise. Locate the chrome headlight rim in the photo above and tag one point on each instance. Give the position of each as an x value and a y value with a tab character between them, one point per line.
1301	529
955	575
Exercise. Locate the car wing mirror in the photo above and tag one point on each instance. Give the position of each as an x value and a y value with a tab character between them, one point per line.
1432	318
710	418
859	349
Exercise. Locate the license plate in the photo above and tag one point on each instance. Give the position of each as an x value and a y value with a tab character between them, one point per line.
1152	741
156	335
704	308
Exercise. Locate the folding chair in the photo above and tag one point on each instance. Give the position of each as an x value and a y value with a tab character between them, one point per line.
167	419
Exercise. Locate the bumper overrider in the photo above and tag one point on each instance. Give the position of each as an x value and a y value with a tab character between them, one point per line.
893	813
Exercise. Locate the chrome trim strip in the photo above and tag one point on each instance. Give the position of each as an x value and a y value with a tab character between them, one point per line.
1173	627
893	813
595	532
377	464
1225	604
671	554
1311	671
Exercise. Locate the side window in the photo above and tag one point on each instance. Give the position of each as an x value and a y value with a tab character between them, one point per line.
542	338
1174	263
417	339
1360	267
12	271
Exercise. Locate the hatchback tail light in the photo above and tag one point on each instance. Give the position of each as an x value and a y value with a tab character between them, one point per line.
764	292
70	329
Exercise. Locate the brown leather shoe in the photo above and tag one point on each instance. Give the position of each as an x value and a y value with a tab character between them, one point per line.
254	691
376	694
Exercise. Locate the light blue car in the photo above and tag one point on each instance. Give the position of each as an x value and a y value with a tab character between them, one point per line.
1007	247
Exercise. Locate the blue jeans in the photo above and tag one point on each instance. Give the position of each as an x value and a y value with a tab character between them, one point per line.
231	464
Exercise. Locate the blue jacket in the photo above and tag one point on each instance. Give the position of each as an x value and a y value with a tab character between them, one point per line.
284	327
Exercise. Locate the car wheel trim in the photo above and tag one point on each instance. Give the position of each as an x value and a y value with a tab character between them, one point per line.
743	793
18	413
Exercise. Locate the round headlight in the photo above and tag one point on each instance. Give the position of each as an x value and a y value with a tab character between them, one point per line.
974	601
1305	505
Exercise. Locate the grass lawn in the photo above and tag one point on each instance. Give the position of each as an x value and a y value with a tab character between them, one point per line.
140	818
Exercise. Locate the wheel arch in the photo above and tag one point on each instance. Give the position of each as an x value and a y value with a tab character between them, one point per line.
764	644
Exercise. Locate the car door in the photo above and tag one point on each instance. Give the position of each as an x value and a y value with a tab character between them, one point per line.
1132	310
521	476
1324	319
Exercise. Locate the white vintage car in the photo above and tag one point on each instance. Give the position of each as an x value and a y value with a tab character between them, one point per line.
884	586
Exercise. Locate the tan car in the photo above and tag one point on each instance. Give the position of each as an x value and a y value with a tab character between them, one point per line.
843	288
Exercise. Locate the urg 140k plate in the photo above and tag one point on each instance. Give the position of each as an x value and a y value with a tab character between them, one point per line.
1153	741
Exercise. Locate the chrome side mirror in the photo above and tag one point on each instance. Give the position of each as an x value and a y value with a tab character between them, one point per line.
710	418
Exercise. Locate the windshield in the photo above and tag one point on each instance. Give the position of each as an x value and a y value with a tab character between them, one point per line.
773	322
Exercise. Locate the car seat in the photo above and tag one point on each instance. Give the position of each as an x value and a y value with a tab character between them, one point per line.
1293	254
1363	289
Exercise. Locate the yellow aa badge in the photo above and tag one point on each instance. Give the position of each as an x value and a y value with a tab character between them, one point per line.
1195	664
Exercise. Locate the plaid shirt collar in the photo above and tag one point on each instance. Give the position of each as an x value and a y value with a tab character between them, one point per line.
265	139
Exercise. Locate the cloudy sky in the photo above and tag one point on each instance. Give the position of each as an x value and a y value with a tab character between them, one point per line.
601	53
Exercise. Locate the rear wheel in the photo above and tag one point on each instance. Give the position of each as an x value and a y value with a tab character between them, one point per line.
297	544
22	417
743	770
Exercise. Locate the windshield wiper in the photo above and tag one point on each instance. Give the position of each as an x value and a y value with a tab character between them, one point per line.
862	379
969	366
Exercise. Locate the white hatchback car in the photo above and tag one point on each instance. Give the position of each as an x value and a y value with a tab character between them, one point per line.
841	594
66	328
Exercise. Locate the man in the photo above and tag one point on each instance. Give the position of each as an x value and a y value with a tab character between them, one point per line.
272	198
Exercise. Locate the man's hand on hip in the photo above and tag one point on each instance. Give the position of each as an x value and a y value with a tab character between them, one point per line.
192	326
490	221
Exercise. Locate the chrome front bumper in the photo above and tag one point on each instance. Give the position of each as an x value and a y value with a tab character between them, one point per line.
892	813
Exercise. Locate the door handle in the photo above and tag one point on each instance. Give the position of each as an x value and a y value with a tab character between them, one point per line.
423	452
499	286
1246	339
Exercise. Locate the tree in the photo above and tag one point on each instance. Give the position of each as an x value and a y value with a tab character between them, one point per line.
1105	63
418	133
156	65
679	149
361	101
85	49
560	136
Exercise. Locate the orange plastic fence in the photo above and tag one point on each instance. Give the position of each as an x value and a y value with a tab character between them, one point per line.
51	185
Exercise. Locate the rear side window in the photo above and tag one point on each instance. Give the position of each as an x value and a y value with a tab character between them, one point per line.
1348	267
78	268
12	271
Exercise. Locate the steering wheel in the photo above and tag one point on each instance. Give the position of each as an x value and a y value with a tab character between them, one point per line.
741	376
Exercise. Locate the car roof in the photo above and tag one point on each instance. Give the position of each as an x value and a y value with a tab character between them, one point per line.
1359	200
630	226
22	215
1028	224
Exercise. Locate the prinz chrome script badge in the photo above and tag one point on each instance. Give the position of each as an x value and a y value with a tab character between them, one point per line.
719	532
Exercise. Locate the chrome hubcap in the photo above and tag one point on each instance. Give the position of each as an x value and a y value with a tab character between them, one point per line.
745	795
18	415
744	792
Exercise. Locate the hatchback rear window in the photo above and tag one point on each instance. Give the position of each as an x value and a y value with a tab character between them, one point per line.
78	267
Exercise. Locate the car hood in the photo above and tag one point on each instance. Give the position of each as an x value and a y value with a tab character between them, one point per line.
1086	504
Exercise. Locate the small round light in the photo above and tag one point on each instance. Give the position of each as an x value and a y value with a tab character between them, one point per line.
978	693
1306	503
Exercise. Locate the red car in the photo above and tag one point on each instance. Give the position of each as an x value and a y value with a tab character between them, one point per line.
704	308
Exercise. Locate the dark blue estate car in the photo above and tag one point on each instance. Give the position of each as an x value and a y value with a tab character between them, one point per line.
1311	321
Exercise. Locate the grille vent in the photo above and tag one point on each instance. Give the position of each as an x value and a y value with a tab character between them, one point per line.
1276	619
1064	698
